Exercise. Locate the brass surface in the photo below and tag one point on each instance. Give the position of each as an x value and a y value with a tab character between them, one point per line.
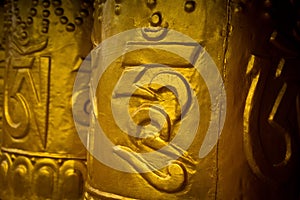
192	177
255	45
45	42
257	154
261	66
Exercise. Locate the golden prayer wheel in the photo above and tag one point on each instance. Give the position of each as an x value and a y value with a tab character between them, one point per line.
255	48
42	156
179	99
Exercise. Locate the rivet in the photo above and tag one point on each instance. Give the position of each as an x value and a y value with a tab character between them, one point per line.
33	12
156	19
29	20
46	4
22	25
46	13
64	20
84	12
56	3
189	6
78	20
70	27
45	22
59	11
35	2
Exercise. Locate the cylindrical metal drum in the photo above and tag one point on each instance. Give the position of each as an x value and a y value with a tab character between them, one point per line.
42	156
179	99
236	62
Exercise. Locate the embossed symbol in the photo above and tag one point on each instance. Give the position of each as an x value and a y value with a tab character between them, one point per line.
268	115
153	103
18	123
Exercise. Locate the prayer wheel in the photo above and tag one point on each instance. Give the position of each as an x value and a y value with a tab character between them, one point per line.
149	99
42	156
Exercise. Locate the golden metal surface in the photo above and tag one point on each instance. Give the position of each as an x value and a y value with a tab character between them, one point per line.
257	152
262	88
181	180
255	46
42	156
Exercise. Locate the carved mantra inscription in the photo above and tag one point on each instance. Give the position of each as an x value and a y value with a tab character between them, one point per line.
157	101
270	117
26	96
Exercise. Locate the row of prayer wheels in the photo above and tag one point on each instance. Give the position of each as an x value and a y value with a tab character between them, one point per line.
149	99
